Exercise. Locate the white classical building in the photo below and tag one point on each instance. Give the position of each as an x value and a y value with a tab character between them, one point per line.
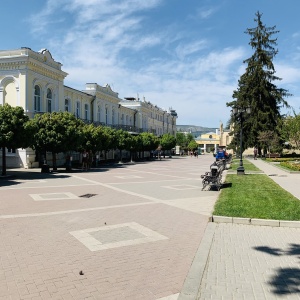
35	81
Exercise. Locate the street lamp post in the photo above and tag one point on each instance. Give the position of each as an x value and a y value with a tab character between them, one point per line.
239	112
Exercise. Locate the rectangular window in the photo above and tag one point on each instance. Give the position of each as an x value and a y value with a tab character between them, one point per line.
66	105
77	109
86	111
11	150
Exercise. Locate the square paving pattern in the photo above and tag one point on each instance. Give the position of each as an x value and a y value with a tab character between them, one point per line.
53	196
114	236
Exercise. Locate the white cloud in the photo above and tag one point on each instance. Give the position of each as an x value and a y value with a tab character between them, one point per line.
115	50
182	50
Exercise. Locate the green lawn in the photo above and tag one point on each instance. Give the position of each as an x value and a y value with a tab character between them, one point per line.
256	196
247	165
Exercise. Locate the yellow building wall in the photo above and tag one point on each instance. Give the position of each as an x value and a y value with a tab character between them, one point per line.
10	94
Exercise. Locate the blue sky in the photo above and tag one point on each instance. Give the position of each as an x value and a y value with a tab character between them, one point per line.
187	55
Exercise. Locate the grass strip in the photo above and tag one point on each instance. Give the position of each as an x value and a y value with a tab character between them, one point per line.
256	196
246	163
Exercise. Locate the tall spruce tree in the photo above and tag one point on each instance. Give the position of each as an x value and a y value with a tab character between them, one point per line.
256	88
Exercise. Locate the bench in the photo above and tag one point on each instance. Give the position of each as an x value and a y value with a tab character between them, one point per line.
272	155
214	177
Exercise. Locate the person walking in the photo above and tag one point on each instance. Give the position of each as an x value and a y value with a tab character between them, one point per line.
255	152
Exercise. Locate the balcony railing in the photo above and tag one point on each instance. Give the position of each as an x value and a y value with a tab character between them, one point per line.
129	128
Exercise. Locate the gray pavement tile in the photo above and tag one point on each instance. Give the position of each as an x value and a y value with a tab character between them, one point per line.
43	258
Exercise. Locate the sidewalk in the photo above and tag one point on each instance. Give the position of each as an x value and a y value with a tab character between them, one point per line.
248	262
287	180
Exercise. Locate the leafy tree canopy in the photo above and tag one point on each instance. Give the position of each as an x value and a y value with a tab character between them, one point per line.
149	141
15	129
58	132
167	141
291	130
193	145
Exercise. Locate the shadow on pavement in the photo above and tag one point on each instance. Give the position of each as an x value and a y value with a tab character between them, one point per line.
269	250
286	280
18	177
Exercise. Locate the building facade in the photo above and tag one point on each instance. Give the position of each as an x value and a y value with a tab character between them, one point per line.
209	142
35	81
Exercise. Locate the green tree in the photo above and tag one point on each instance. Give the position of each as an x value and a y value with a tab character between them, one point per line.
57	132
193	145
15	130
270	141
124	141
256	88
149	141
167	141
181	140
94	138
189	138
109	139
291	130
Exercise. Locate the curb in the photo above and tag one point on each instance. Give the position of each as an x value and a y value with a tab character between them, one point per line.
192	283
257	222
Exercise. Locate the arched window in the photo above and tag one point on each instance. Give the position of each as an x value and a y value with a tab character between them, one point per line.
37	98
49	100
99	113
67	105
77	109
126	122
86	111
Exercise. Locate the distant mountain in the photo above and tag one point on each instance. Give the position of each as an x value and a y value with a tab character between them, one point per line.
195	130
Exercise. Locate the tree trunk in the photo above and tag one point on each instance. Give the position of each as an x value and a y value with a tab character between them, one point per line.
120	155
54	161
3	162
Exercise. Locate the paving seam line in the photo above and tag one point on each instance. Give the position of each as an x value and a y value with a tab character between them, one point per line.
193	280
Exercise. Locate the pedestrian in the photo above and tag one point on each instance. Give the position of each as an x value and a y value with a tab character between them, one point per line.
90	159
255	152
84	160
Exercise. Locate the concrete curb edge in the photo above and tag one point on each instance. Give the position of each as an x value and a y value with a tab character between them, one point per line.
257	222
193	280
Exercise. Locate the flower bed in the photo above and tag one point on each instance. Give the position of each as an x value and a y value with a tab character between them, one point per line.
294	166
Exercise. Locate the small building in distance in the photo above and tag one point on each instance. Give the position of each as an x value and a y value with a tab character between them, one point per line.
209	142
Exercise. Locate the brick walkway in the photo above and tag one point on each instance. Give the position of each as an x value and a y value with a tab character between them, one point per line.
254	262
125	232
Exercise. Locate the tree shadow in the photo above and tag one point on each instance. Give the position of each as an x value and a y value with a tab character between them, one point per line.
269	250
19	177
294	249
226	185
286	280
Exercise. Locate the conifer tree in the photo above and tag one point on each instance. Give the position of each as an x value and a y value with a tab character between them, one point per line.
256	88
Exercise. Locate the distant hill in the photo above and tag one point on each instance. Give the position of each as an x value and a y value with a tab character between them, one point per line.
195	130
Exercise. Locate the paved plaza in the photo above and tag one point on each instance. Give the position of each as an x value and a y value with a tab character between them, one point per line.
127	231
140	232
